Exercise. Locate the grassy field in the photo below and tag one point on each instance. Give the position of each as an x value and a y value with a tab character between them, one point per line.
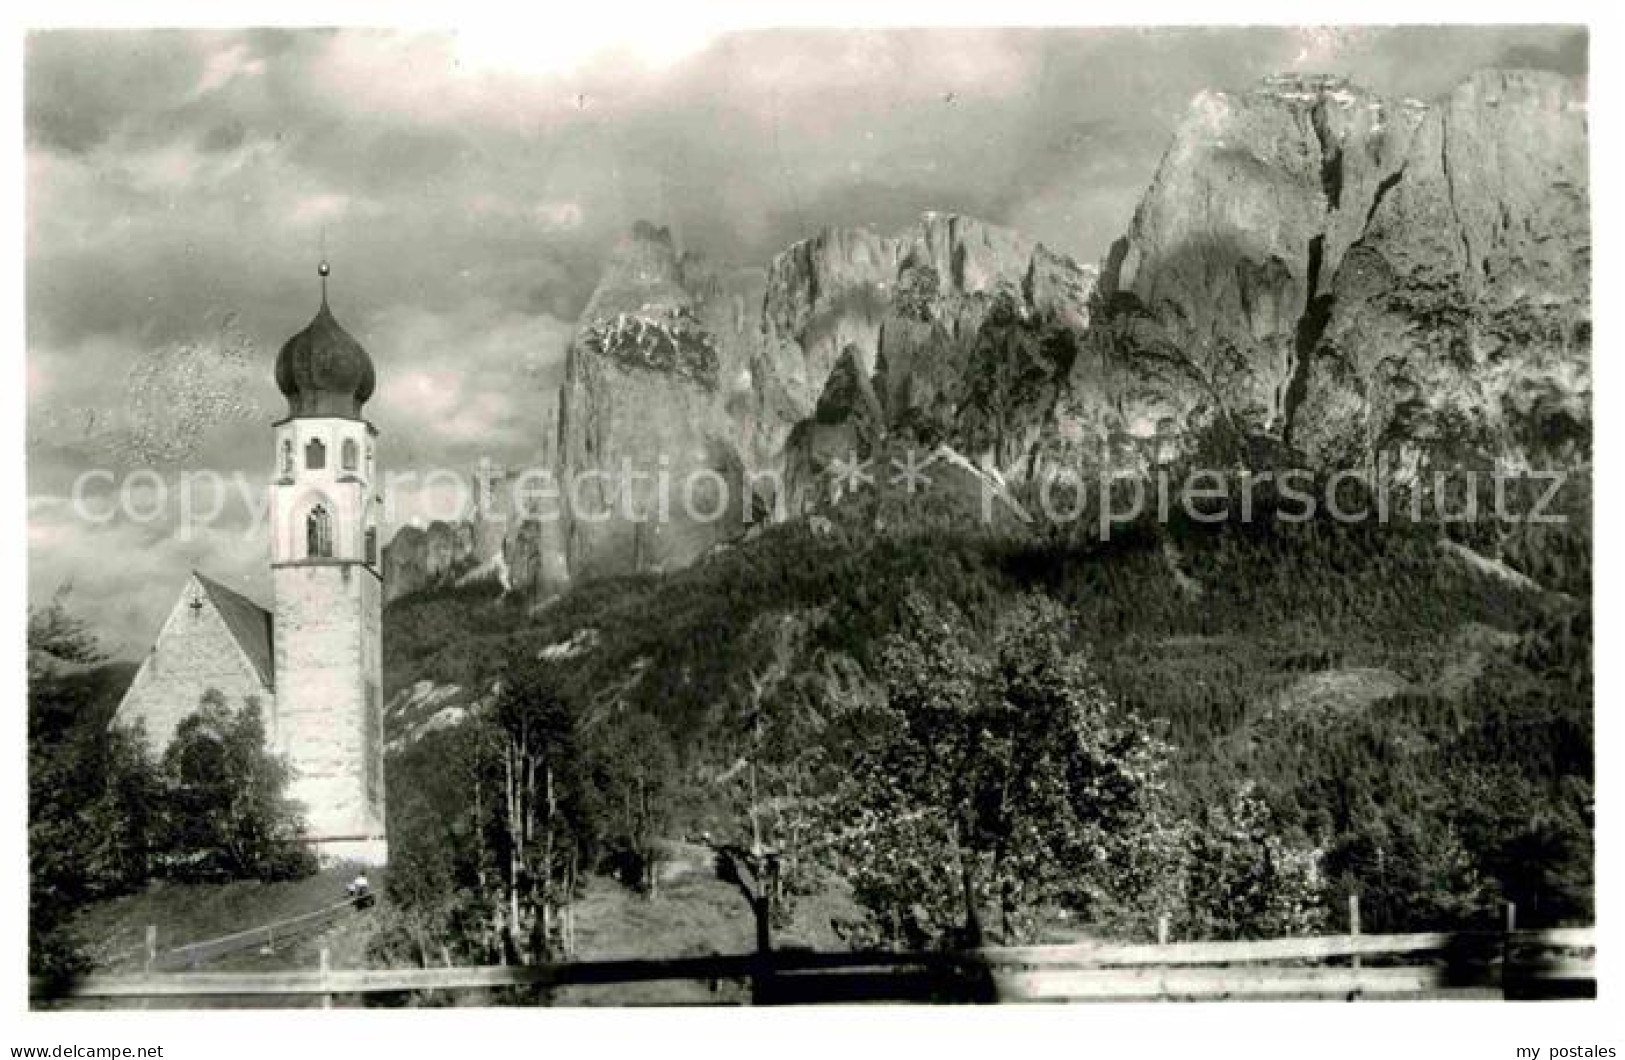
692	915
114	932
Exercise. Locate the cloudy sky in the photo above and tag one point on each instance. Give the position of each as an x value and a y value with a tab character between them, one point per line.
182	186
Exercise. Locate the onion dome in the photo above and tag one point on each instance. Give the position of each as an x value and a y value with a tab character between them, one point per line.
322	371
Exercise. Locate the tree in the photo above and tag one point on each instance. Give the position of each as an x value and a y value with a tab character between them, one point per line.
534	731
994	779
58	639
227	808
495	821
1242	880
93	795
634	782
777	742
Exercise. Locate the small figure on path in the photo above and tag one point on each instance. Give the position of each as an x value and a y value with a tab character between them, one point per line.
360	890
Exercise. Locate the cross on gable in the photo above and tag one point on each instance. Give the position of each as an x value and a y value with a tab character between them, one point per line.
196	605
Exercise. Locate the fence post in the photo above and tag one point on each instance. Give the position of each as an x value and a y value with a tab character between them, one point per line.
152	947
1162	930
1507	955
327	999
1354	926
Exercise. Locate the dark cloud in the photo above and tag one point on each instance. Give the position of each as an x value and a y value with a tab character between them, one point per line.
82	87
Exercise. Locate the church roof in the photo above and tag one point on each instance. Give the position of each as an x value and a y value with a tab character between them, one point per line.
248	622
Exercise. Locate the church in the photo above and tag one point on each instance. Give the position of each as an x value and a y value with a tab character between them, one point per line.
313	661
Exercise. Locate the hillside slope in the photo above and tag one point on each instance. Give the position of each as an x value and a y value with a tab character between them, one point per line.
1362	642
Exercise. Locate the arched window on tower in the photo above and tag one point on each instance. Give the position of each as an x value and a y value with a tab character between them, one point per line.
347	454
287	456
315	455
371	546
319	532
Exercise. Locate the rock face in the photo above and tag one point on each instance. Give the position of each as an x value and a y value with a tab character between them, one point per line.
1208	308
419	558
694	398
501	541
648	455
1315	275
642	415
955	333
1320	275
824	296
1459	325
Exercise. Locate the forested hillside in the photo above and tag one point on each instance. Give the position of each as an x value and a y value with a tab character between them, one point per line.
1417	728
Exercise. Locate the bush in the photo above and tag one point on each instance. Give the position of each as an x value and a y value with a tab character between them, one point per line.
1243	880
227	812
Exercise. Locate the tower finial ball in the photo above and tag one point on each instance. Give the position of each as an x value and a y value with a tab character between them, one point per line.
322	269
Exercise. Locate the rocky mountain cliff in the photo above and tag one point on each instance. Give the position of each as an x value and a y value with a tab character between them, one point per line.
421	557
1315	274
645	438
955	333
1320	275
1209	306
1458	328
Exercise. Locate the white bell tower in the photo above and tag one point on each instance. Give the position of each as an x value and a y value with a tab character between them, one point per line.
328	584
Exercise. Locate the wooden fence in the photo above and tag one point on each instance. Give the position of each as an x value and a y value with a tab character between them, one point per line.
269	936
193	955
1514	964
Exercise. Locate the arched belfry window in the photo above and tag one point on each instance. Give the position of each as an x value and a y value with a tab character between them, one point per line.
287	456
315	455
319	532
347	454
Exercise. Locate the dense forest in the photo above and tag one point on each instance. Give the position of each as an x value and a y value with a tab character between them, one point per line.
1321	709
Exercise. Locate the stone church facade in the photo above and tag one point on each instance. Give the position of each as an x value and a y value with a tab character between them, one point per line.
213	638
314	660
